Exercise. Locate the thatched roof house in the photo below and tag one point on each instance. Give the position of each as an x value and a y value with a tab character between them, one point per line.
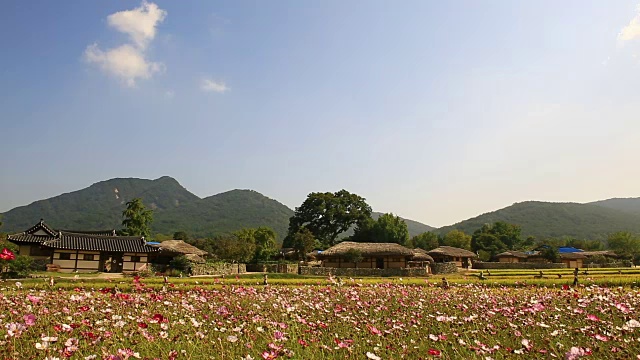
461	257
374	255
179	247
421	255
512	256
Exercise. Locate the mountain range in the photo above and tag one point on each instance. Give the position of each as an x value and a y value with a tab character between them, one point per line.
176	209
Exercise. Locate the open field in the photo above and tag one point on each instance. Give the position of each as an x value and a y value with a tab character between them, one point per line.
311	318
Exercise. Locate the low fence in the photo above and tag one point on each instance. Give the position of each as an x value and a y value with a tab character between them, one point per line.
218	269
444	268
326	271
273	268
518	265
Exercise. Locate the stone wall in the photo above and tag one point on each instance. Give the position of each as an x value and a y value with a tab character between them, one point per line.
326	271
519	265
218	269
274	268
444	268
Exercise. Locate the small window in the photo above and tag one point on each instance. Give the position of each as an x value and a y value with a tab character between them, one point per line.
135	258
88	257
65	256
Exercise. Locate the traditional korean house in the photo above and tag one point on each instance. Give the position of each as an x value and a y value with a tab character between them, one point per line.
84	251
421	259
512	257
572	259
461	257
373	255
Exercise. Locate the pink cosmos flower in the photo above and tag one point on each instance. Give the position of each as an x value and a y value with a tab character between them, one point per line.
593	317
30	320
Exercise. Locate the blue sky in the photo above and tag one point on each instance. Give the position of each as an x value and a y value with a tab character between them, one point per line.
436	111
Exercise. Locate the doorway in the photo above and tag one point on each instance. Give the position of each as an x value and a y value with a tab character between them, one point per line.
111	262
380	263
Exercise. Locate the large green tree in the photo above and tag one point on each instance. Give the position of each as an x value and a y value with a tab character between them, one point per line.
495	238
387	229
239	247
328	215
457	238
266	246
625	244
137	219
427	241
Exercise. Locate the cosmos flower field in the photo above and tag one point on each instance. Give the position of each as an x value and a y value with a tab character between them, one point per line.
387	320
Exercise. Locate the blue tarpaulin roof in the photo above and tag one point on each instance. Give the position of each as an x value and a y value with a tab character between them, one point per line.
153	243
568	249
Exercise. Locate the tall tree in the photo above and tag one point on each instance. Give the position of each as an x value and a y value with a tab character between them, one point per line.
457	238
303	243
427	241
265	240
327	215
492	239
387	229
239	247
137	219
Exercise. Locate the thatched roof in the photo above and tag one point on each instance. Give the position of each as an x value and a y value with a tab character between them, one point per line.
603	253
512	253
451	251
572	256
195	258
367	249
421	255
179	247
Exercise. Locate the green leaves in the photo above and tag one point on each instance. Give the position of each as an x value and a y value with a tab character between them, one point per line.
387	229
137	219
327	215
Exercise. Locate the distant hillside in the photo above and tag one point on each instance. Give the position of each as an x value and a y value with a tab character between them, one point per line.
100	207
543	220
631	205
225	213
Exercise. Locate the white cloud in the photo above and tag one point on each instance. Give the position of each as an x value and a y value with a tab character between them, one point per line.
125	62
129	62
631	31
209	85
139	23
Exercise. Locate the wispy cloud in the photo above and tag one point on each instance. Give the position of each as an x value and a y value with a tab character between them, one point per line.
128	62
209	85
631	31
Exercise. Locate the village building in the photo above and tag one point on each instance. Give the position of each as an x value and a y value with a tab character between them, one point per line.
84	251
512	257
461	257
373	255
421	259
572	259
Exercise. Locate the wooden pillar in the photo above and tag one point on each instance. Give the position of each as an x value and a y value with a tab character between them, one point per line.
75	267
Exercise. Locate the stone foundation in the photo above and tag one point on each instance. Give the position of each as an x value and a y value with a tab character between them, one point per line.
444	268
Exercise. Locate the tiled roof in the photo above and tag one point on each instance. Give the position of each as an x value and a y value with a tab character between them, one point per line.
98	232
83	240
41	226
22	237
71	241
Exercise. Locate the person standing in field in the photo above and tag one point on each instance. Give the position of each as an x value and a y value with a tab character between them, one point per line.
575	277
